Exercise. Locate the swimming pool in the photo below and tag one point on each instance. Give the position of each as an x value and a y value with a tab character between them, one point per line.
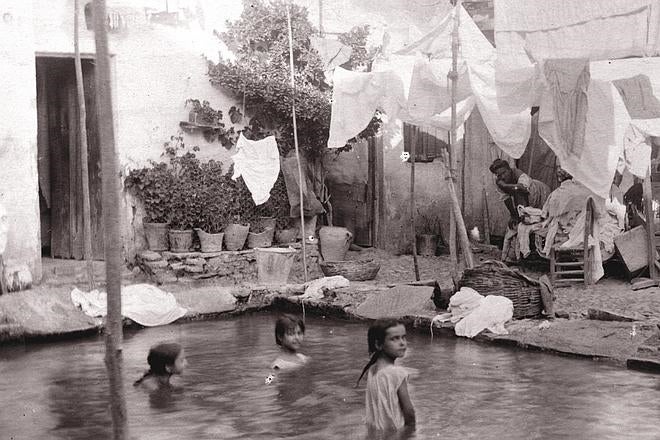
463	390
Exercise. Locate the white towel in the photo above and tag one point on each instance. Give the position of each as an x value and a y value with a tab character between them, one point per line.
143	303
259	164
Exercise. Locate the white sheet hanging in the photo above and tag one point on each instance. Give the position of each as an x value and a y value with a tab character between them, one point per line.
528	31
355	98
259	164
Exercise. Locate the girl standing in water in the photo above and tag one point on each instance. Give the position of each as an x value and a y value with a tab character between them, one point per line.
289	335
164	359
388	403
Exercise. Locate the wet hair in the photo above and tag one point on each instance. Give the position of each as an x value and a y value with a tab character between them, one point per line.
497	164
375	338
286	323
160	357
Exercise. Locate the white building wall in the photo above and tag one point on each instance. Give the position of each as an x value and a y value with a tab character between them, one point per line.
18	134
155	69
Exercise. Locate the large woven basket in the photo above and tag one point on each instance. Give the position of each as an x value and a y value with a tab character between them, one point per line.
496	278
353	270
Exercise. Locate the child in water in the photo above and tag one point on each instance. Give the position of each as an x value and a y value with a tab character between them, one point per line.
164	359
387	400
289	335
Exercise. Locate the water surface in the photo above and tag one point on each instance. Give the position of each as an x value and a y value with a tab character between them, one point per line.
462	389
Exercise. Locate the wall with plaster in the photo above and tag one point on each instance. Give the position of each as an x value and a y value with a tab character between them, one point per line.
156	67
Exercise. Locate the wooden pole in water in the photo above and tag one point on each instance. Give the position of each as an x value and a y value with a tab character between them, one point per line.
111	236
451	159
82	130
412	199
295	142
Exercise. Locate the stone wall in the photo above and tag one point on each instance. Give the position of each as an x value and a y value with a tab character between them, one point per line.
230	267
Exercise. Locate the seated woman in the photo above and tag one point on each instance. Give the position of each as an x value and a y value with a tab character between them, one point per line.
518	190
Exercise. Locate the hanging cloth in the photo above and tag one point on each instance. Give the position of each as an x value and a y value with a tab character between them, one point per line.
258	162
638	97
567	83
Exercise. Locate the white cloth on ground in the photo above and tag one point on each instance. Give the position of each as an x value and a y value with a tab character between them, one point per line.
463	302
493	312
259	164
314	289
143	303
355	98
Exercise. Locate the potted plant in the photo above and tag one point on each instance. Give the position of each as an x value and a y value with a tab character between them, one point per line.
428	232
236	232
185	195
215	196
152	186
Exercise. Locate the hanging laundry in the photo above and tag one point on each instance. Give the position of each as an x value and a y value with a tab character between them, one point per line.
638	97
258	162
355	98
332	52
311	204
566	97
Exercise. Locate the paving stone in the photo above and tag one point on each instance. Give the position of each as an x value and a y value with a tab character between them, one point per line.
195	261
155	265
193	269
149	256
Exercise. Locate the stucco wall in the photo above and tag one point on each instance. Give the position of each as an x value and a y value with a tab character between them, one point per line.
18	134
155	69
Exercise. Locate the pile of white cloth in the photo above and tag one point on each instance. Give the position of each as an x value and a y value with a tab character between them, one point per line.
472	313
143	303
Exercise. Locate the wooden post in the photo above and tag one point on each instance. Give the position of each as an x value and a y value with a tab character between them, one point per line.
650	225
112	237
84	160
295	142
450	161
412	199
588	253
486	214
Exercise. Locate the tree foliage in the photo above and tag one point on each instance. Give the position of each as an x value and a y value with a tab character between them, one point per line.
261	74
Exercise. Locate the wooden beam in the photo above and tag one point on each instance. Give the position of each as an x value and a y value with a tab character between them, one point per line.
112	236
650	225
413	146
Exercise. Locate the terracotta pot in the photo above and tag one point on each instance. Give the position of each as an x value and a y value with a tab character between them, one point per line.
156	234
210	242
261	239
235	236
334	241
285	236
427	244
181	241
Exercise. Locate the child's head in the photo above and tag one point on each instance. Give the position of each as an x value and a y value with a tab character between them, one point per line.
166	358
289	332
387	336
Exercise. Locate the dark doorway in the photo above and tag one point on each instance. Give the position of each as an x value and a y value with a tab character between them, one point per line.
59	162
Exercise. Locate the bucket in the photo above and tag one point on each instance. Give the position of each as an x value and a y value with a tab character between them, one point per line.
210	242
261	239
181	241
335	242
156	234
235	236
274	265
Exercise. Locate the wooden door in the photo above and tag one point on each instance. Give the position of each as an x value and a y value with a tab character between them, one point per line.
63	146
352	197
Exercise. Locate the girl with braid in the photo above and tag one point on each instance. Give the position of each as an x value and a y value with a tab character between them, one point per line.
388	403
164	359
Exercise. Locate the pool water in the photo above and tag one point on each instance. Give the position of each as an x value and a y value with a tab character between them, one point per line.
461	389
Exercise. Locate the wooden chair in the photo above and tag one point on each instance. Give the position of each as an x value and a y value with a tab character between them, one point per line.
574	264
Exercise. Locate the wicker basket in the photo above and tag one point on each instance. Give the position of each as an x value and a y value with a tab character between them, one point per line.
353	270
496	278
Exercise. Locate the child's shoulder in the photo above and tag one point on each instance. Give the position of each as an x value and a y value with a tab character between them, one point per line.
289	362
